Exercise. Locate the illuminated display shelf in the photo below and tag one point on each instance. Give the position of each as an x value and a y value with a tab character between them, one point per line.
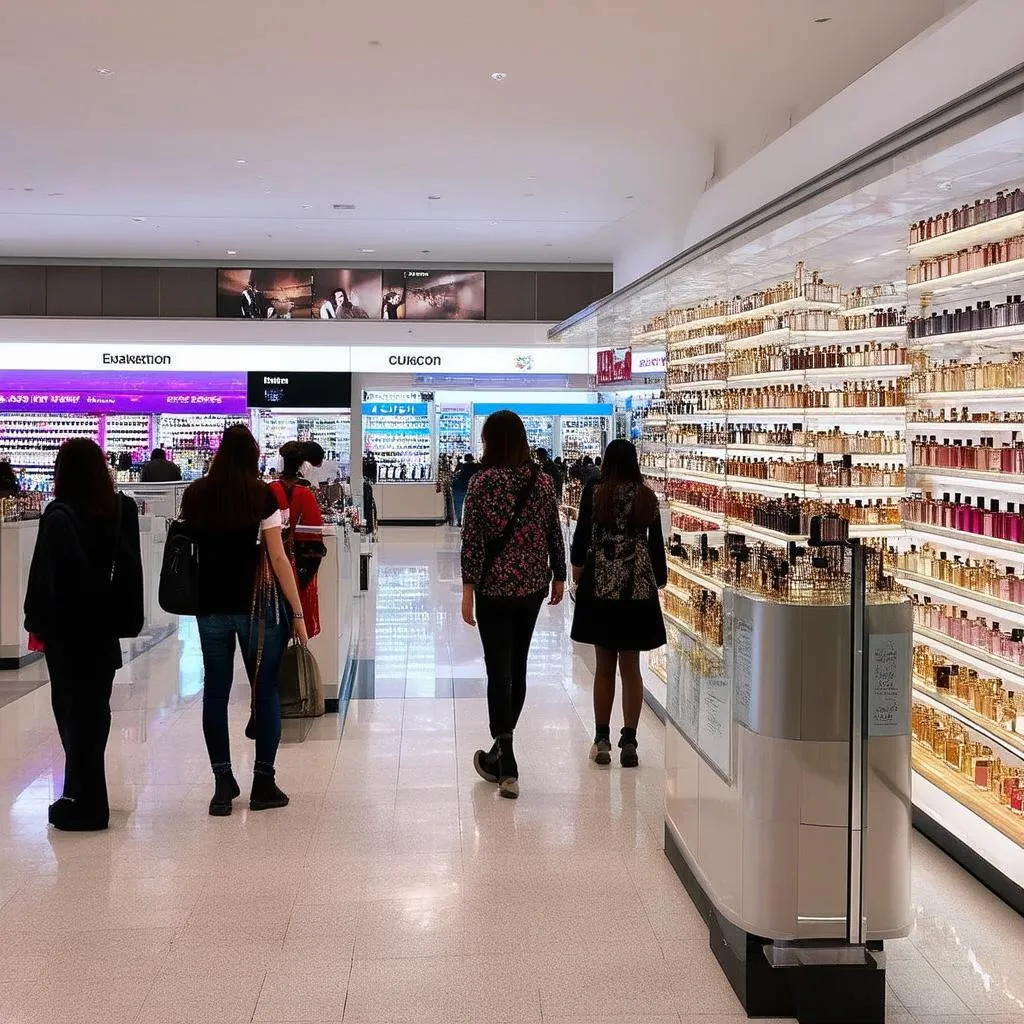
952	427
694	512
981	277
780	487
977	544
880	304
990	481
1011	742
1008	612
973	657
994	230
963	792
825	373
986	395
794	305
989	335
678	566
711	648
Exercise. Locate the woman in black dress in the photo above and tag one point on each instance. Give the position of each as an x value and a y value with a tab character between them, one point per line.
618	562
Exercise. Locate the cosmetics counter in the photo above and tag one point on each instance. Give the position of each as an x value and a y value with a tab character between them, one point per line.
899	407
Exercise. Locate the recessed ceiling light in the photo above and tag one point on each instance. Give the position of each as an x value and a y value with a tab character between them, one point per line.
343	206
367	250
232	252
531	177
425	252
307	206
631	197
433	198
30	189
549	245
104	71
499	76
241	160
139	220
945	185
54	195
864	259
821	21
494	223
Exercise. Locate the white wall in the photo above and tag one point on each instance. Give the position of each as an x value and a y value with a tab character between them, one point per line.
978	42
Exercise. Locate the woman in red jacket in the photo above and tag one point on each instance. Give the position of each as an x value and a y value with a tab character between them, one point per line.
299	508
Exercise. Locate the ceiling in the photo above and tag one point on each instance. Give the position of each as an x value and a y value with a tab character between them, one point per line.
858	239
232	126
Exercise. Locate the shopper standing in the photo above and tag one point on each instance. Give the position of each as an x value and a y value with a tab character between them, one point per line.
460	483
84	583
248	593
159	469
618	562
512	549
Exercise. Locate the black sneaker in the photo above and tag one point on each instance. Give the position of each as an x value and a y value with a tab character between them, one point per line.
226	790
628	756
601	751
265	795
486	765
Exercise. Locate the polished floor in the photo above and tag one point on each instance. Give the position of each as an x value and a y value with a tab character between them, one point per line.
397	886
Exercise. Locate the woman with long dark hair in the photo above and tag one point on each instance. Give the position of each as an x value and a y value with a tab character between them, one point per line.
512	550
248	593
70	606
618	561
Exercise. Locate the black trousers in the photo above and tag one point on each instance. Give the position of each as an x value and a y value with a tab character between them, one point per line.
81	681
506	629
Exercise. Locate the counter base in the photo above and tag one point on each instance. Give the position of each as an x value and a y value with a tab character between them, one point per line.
989	876
812	993
11	660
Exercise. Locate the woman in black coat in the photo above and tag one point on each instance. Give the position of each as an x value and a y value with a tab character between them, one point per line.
70	606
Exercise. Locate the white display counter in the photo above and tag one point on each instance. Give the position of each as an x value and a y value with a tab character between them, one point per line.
410	503
17	542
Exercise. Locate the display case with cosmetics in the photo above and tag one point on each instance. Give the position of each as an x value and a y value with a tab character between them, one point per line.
966	519
782	405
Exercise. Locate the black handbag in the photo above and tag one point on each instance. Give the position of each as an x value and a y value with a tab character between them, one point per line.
127	597
179	572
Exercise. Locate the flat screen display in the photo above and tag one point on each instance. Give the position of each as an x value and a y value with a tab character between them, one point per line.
347	294
432	295
289	390
264	294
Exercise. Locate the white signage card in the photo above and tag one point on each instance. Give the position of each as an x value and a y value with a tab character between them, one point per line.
647	362
888	685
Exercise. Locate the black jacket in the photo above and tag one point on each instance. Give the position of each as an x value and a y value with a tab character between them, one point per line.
159	471
67	601
463	474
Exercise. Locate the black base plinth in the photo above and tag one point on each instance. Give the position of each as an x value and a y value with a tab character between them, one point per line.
813	993
14	662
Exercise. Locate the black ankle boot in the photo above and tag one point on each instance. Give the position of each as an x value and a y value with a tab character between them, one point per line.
628	757
67	816
508	770
265	794
226	790
250	727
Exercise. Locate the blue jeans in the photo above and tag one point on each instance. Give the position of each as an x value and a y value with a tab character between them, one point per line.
459	499
217	635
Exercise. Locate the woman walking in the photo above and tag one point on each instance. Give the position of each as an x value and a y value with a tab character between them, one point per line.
88	535
618	562
512	549
248	593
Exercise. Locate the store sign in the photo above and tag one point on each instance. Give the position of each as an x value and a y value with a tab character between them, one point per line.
614	365
462	359
135	359
395	408
287	389
648	362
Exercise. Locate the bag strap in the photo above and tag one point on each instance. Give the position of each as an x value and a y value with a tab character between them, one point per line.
495	548
117	536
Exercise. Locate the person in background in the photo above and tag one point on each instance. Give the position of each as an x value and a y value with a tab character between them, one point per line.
236	522
299	508
444	487
464	472
9	485
69	608
512	549
559	477
159	469
618	564
589	472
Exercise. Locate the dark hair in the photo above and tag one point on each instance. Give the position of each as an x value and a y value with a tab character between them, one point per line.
597	461
159	455
587	461
81	479
231	495
295	453
622	468
505	441
542	454
8	478
468	457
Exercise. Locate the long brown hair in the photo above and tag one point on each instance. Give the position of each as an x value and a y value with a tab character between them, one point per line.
82	479
505	441
619	468
231	495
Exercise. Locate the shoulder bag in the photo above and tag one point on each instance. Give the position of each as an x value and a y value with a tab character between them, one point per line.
498	544
179	572
127	599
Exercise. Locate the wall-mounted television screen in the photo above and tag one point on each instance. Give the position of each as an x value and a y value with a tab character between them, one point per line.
264	294
432	295
347	294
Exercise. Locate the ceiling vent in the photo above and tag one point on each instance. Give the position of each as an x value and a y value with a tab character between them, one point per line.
343	206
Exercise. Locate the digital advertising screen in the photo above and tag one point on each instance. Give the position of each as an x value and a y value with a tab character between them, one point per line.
305	390
264	294
347	294
432	295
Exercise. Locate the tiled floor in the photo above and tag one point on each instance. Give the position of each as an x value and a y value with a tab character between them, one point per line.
397	887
